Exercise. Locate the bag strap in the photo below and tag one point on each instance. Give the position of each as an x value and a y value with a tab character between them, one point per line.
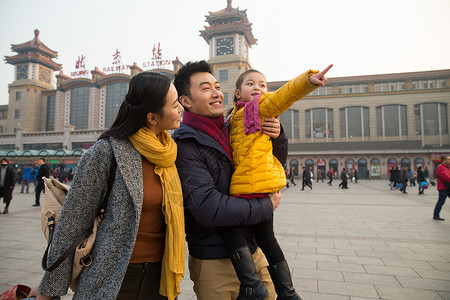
83	235
444	183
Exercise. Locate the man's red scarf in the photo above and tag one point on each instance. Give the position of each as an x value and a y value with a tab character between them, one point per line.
213	127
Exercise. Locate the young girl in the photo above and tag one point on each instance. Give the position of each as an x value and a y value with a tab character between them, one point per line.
257	172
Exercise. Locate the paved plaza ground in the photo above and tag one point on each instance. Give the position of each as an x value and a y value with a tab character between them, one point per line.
367	242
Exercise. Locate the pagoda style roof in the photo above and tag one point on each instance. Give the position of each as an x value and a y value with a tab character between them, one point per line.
228	20
33	51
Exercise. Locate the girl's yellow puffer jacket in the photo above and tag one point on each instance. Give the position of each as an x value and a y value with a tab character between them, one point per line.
256	170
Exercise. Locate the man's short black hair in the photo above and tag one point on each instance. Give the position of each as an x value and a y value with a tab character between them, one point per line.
182	80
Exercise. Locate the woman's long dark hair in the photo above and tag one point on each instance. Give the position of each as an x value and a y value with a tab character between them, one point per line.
146	93
238	86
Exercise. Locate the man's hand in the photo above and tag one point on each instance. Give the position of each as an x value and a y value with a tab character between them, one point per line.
271	127
276	198
319	78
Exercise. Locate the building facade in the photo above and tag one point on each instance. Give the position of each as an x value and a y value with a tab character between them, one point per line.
369	123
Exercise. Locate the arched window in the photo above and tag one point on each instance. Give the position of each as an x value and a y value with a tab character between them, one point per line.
374	161
294	164
392	161
309	163
349	163
418	162
333	165
405	162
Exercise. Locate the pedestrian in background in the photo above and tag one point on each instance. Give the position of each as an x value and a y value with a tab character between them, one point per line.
395	176
63	175
330	176
306	178
403	180
421	181
344	182
411	177
443	176
27	177
291	176
44	171
319	175
7	182
70	175
35	172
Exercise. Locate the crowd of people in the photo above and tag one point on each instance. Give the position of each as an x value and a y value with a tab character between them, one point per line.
401	178
308	177
29	176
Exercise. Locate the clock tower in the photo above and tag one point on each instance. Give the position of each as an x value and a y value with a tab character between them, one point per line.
229	36
34	68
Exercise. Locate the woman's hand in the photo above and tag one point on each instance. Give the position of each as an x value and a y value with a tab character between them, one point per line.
319	78
34	293
271	127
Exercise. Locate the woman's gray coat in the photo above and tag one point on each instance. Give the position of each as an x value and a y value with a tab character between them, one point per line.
116	234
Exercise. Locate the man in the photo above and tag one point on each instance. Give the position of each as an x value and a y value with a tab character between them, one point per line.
44	171
425	172
443	176
330	176
306	178
205	168
27	177
344	182
7	181
319	175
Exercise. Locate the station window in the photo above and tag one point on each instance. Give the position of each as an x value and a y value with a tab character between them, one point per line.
223	75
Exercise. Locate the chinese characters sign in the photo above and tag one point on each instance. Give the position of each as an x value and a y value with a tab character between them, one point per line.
156	62
80	68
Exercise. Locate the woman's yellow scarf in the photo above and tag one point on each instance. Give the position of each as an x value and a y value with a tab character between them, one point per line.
161	151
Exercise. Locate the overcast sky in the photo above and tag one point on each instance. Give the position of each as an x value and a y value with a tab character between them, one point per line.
360	37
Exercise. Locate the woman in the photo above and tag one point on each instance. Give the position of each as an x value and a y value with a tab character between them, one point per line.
139	248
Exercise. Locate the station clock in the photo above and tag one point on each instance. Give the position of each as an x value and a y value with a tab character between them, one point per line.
225	46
